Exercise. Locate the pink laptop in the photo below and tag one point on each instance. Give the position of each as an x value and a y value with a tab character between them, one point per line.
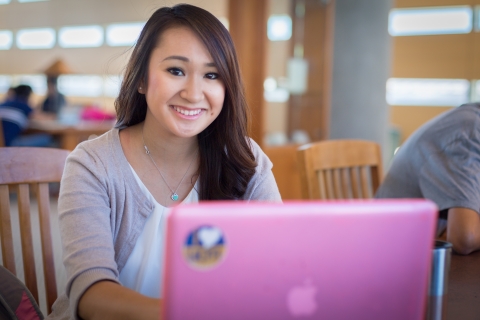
299	260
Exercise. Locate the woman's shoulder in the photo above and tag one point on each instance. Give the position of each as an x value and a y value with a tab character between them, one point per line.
262	186
261	159
104	150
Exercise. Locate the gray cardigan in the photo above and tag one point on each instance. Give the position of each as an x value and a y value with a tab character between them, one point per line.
102	211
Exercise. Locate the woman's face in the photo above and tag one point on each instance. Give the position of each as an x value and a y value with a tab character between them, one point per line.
184	92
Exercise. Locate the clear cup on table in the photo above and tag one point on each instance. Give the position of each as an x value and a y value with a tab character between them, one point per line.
438	286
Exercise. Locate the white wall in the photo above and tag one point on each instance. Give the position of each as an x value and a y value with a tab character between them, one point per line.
58	13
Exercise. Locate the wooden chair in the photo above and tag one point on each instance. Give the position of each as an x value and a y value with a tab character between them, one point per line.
340	169
2	138
20	169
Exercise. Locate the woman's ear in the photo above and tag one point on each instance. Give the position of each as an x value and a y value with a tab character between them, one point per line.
141	89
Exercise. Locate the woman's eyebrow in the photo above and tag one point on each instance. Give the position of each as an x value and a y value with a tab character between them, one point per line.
177	58
185	59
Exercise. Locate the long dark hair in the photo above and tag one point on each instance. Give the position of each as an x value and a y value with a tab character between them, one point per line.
227	163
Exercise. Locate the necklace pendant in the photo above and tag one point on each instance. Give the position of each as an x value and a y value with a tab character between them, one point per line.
174	196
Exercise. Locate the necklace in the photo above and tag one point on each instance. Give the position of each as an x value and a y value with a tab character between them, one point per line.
174	195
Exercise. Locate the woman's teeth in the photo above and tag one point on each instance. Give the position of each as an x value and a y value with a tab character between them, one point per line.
188	112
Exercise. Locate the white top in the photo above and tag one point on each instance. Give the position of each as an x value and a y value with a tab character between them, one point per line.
144	268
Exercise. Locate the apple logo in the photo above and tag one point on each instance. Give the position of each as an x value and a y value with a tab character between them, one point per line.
301	300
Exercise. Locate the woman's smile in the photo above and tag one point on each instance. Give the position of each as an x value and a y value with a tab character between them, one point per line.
186	113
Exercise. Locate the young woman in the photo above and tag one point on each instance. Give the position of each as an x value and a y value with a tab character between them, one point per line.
181	136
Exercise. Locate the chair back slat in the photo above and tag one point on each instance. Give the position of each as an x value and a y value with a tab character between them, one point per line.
27	239
353	173
365	185
322	184
340	169
337	184
46	239
30	169
2	137
329	185
6	238
345	183
375	179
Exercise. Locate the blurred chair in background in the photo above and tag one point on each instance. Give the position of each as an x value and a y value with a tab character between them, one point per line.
22	169
340	169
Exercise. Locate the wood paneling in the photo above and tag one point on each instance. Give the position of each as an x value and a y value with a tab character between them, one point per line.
285	170
248	25
476	56
438	56
313	30
455	56
410	118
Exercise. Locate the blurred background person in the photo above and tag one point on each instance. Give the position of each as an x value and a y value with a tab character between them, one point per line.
10	94
15	113
54	101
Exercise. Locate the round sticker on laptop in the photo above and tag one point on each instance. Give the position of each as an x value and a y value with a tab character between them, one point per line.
204	247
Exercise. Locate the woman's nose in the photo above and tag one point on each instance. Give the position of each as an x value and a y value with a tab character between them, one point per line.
193	91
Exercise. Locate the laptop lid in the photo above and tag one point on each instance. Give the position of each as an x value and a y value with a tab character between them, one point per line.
299	260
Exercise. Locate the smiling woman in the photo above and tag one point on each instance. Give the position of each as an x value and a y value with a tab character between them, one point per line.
181	137
184	92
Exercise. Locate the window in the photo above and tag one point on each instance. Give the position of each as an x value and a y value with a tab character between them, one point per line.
279	27
112	86
81	86
4	2
80	37
477	18
476	91
43	38
427	92
123	34
5	83
6	39
430	21
38	82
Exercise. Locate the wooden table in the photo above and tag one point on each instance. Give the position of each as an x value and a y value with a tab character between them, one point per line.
70	134
463	301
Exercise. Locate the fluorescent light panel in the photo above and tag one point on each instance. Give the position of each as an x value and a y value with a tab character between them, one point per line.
42	38
427	92
80	37
6	39
123	34
430	21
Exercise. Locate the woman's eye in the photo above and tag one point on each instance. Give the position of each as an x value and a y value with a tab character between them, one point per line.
176	72
212	76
